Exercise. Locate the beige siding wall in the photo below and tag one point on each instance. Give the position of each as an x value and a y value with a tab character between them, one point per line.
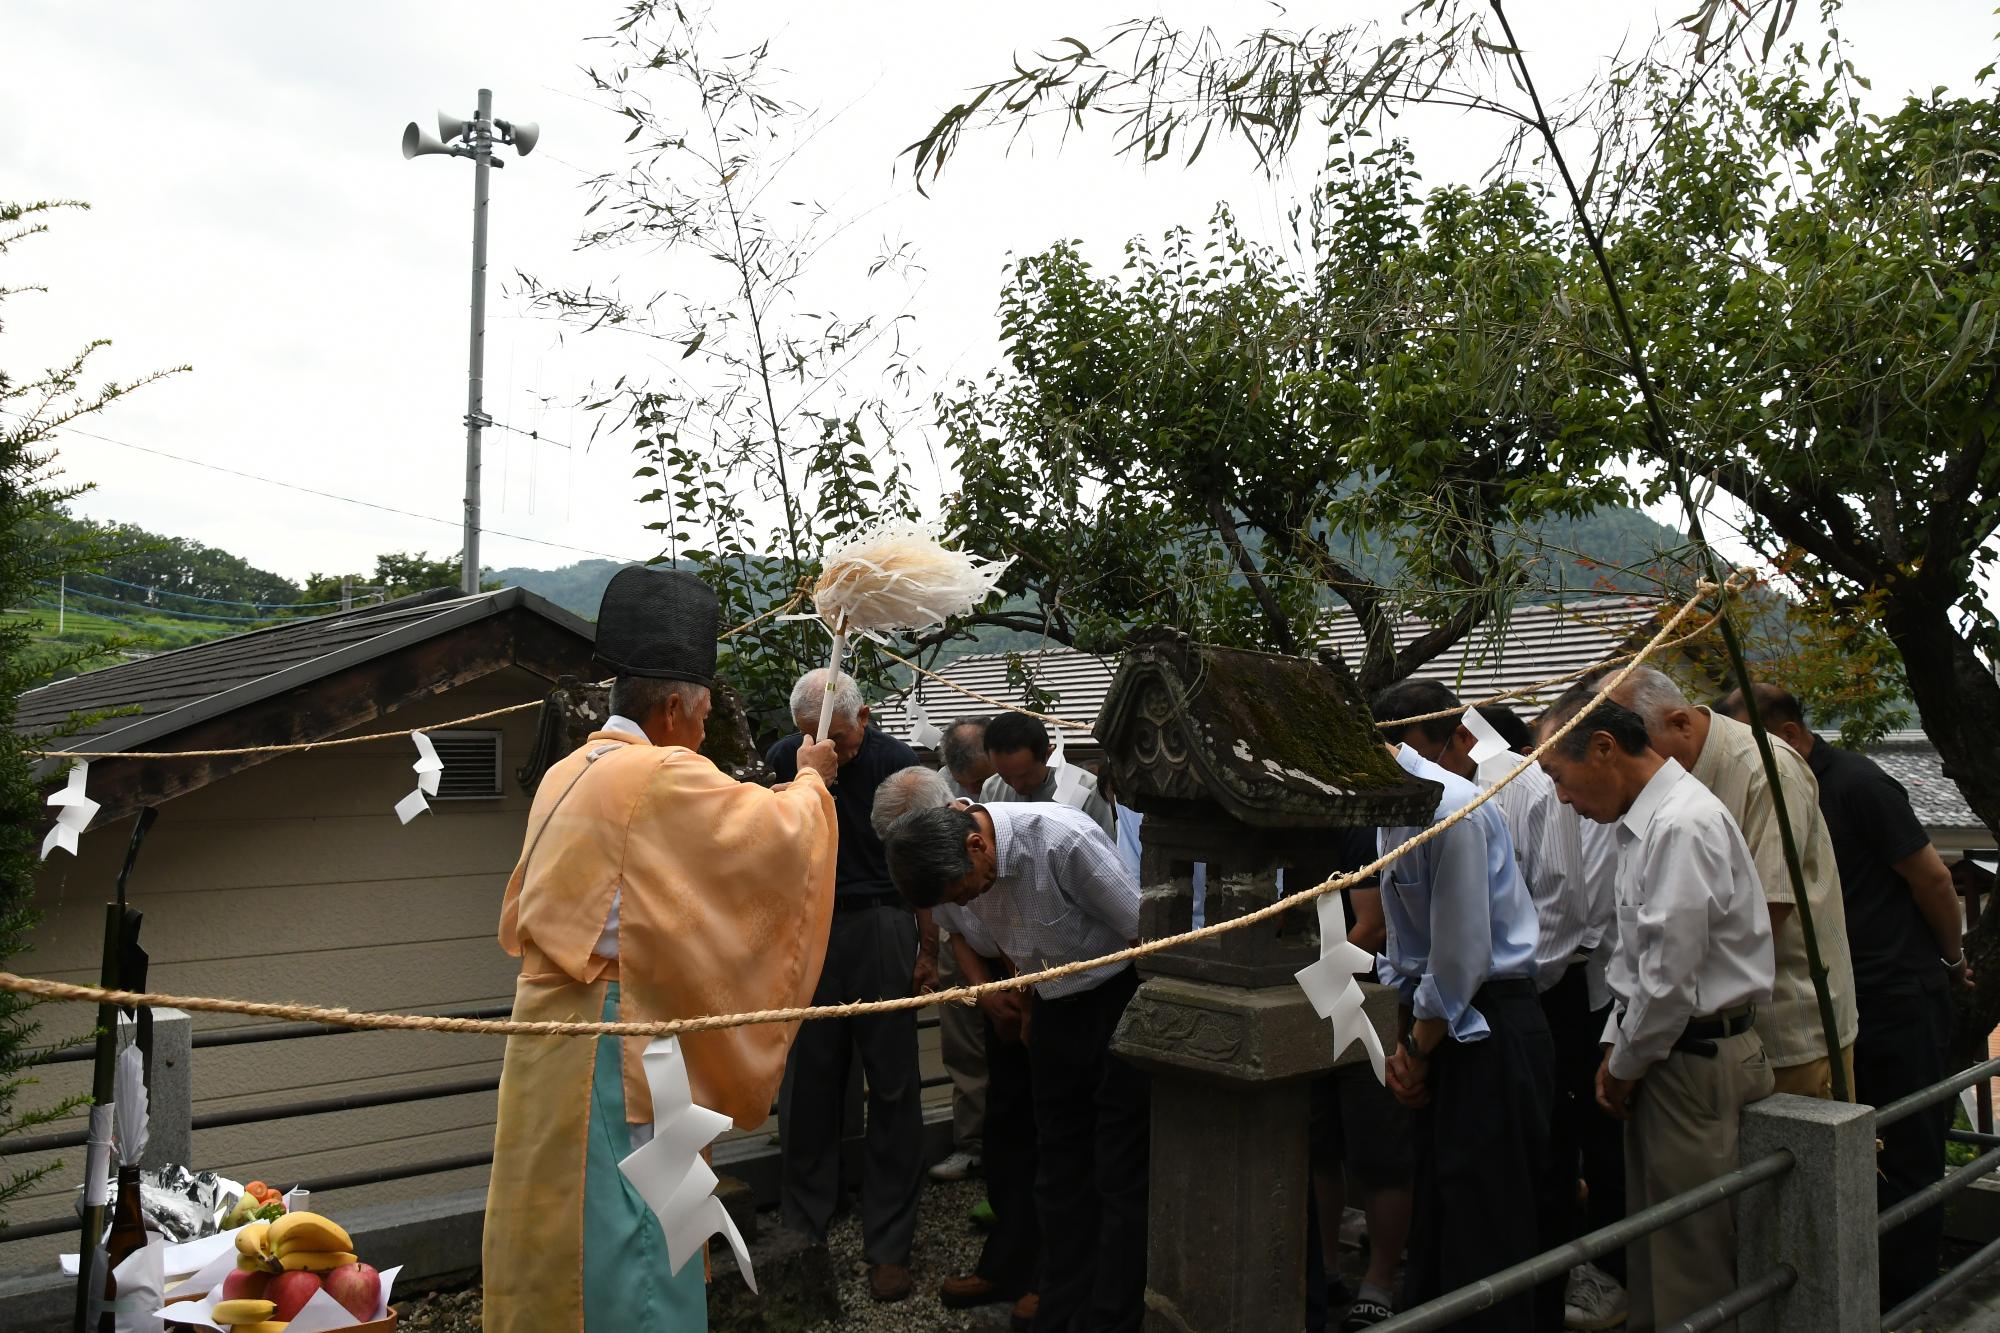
293	881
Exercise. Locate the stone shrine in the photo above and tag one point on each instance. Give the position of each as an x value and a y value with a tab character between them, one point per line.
1240	762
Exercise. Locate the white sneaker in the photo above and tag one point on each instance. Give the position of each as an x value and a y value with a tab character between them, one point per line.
1593	1301
958	1166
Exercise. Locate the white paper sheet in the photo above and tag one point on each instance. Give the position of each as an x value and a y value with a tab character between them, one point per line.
923	734
428	766
668	1171
141	1283
1331	986
411	806
74	811
206	1261
1488	742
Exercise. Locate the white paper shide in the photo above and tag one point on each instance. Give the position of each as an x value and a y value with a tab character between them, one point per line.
429	769
669	1173
1335	993
74	811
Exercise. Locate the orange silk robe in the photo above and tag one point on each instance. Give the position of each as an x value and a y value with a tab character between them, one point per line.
725	899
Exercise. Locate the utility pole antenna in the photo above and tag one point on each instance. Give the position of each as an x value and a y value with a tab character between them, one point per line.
474	138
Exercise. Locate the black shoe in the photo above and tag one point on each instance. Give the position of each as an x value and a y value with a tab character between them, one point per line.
1366	1312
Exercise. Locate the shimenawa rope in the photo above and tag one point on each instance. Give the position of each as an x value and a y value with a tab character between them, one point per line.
59	990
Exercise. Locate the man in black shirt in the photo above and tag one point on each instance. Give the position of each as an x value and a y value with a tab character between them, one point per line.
871	954
1904	932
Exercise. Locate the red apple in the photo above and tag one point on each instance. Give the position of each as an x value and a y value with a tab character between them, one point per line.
358	1288
290	1292
245	1286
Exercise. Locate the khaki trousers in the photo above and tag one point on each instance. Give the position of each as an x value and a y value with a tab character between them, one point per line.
1814	1078
1683	1133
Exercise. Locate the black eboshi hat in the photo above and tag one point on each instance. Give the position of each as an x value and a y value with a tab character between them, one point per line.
659	623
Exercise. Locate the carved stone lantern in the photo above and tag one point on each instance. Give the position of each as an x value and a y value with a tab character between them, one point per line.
1241	762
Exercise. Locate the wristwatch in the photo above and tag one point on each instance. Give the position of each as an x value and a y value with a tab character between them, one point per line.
1410	1045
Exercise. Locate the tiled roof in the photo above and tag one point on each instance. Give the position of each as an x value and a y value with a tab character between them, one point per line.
1535	643
1911	759
157	695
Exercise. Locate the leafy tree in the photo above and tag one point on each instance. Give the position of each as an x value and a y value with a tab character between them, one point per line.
1226	438
1817	288
34	546
770	428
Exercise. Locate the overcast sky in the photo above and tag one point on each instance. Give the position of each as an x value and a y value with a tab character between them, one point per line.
251	216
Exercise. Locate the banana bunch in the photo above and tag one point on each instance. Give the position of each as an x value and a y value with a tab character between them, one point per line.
310	1243
245	1316
253	1249
295	1242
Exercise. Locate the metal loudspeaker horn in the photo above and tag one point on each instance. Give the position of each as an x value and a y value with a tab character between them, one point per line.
451	127
418	143
524	134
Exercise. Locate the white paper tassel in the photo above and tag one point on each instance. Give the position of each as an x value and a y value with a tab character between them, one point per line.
900	576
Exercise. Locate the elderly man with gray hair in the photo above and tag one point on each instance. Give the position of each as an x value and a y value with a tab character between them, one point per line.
871	954
1722	755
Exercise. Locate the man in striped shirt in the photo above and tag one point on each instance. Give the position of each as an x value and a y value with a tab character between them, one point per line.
1571	912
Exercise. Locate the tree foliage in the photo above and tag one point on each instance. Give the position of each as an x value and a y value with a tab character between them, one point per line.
1228	438
766	428
1816	287
34	547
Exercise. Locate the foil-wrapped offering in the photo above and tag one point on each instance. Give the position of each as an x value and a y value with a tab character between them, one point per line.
184	1205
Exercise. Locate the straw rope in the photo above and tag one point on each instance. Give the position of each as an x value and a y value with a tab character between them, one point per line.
67	991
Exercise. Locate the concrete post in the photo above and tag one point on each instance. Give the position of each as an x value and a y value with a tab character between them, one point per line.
170	1137
1819	1217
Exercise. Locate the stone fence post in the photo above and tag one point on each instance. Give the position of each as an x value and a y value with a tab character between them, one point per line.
1819	1217
170	1136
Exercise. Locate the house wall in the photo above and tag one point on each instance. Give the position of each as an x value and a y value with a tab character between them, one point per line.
293	881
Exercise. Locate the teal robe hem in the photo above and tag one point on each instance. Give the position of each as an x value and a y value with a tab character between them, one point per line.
626	1284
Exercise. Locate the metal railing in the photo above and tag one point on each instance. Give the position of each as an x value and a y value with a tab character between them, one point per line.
294	1109
1525	1276
1933	1195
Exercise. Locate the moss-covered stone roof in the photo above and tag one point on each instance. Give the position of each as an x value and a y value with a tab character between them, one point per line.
1275	741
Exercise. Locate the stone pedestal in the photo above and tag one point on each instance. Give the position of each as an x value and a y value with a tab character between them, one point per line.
1231	1071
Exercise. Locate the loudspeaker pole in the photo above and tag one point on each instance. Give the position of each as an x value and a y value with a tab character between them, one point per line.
474	139
480	137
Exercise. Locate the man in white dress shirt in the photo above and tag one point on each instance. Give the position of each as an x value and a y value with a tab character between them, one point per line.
1548	848
1039	885
1692	964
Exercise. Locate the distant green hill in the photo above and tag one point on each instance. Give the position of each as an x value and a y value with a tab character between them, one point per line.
578	587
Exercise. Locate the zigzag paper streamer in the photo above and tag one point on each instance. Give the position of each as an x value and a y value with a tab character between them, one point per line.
668	1171
74	811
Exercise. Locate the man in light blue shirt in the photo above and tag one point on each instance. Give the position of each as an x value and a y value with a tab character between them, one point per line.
1475	1059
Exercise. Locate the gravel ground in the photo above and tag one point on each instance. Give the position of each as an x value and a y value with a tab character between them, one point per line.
947	1244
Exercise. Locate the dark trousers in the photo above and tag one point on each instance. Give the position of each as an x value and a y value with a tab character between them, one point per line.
1011	1258
1482	1146
1092	1126
1584	1143
870	955
1903	1045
